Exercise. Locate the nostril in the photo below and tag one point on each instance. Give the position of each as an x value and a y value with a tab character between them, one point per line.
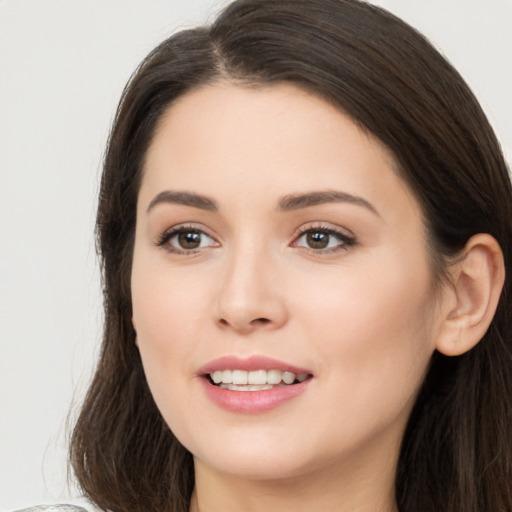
245	326
260	321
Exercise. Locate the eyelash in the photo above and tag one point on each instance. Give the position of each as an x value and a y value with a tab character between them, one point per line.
167	236
345	241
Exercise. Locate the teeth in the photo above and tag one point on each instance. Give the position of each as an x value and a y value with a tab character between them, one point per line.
239	377
234	387
257	377
274	376
241	380
288	377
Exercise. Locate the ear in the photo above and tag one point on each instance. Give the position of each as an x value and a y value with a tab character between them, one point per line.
476	284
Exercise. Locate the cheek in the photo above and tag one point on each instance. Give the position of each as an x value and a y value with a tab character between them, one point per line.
368	302
373	333
166	313
166	303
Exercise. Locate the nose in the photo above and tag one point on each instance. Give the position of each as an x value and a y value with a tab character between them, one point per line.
250	296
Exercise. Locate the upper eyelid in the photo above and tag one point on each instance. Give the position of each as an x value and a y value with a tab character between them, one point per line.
164	240
324	226
188	226
170	232
304	228
346	237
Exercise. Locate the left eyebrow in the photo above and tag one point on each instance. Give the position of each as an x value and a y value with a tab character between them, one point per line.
184	198
297	201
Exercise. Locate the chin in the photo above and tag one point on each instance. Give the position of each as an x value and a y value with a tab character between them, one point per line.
260	468
257	457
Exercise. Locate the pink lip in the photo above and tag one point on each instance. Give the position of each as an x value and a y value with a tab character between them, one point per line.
251	401
249	364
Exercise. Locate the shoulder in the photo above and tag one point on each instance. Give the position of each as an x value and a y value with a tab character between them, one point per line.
53	508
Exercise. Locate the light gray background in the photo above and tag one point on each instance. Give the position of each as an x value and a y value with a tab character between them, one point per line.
63	64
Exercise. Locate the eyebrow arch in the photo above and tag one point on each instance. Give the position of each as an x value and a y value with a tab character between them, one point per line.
184	198
298	201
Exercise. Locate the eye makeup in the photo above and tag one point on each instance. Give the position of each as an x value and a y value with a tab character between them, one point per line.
185	239
323	239
318	239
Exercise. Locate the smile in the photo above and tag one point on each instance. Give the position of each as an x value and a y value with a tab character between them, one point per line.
253	385
256	380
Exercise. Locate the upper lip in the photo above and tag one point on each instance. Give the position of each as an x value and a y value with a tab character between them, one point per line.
252	363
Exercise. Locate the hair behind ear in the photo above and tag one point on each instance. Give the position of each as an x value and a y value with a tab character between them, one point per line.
459	432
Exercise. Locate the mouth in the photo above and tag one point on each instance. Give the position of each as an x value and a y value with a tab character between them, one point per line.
253	385
255	380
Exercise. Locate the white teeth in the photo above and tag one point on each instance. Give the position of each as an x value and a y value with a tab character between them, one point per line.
227	376
260	379
257	377
239	377
288	377
234	387
274	376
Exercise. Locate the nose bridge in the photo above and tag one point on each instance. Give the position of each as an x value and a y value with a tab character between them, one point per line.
250	296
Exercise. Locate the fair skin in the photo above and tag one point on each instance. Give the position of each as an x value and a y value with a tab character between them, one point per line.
337	284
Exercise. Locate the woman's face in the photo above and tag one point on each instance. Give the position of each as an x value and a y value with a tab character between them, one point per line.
275	243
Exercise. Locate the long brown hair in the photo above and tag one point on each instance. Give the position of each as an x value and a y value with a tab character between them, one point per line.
457	450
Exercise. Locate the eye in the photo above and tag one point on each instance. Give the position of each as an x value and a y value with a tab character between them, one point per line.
324	239
186	239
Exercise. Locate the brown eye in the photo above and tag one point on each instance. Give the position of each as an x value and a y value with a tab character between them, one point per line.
324	240
189	239
183	240
317	239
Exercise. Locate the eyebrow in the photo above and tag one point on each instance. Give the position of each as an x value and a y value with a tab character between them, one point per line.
287	203
298	201
184	198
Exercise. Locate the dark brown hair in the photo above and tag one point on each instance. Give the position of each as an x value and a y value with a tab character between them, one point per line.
457	451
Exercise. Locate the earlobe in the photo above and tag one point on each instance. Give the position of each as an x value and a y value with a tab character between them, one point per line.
477	281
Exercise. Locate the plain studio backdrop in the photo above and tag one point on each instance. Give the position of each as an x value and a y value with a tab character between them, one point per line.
63	65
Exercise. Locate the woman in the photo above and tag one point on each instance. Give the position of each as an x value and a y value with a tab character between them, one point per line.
304	224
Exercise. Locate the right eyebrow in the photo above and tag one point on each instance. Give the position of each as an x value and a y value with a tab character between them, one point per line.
184	198
297	201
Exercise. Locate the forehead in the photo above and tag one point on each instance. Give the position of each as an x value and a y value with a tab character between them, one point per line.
280	139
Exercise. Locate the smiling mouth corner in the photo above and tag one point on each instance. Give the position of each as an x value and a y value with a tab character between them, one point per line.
256	380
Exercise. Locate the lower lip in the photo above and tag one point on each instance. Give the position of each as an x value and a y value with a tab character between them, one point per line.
253	401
